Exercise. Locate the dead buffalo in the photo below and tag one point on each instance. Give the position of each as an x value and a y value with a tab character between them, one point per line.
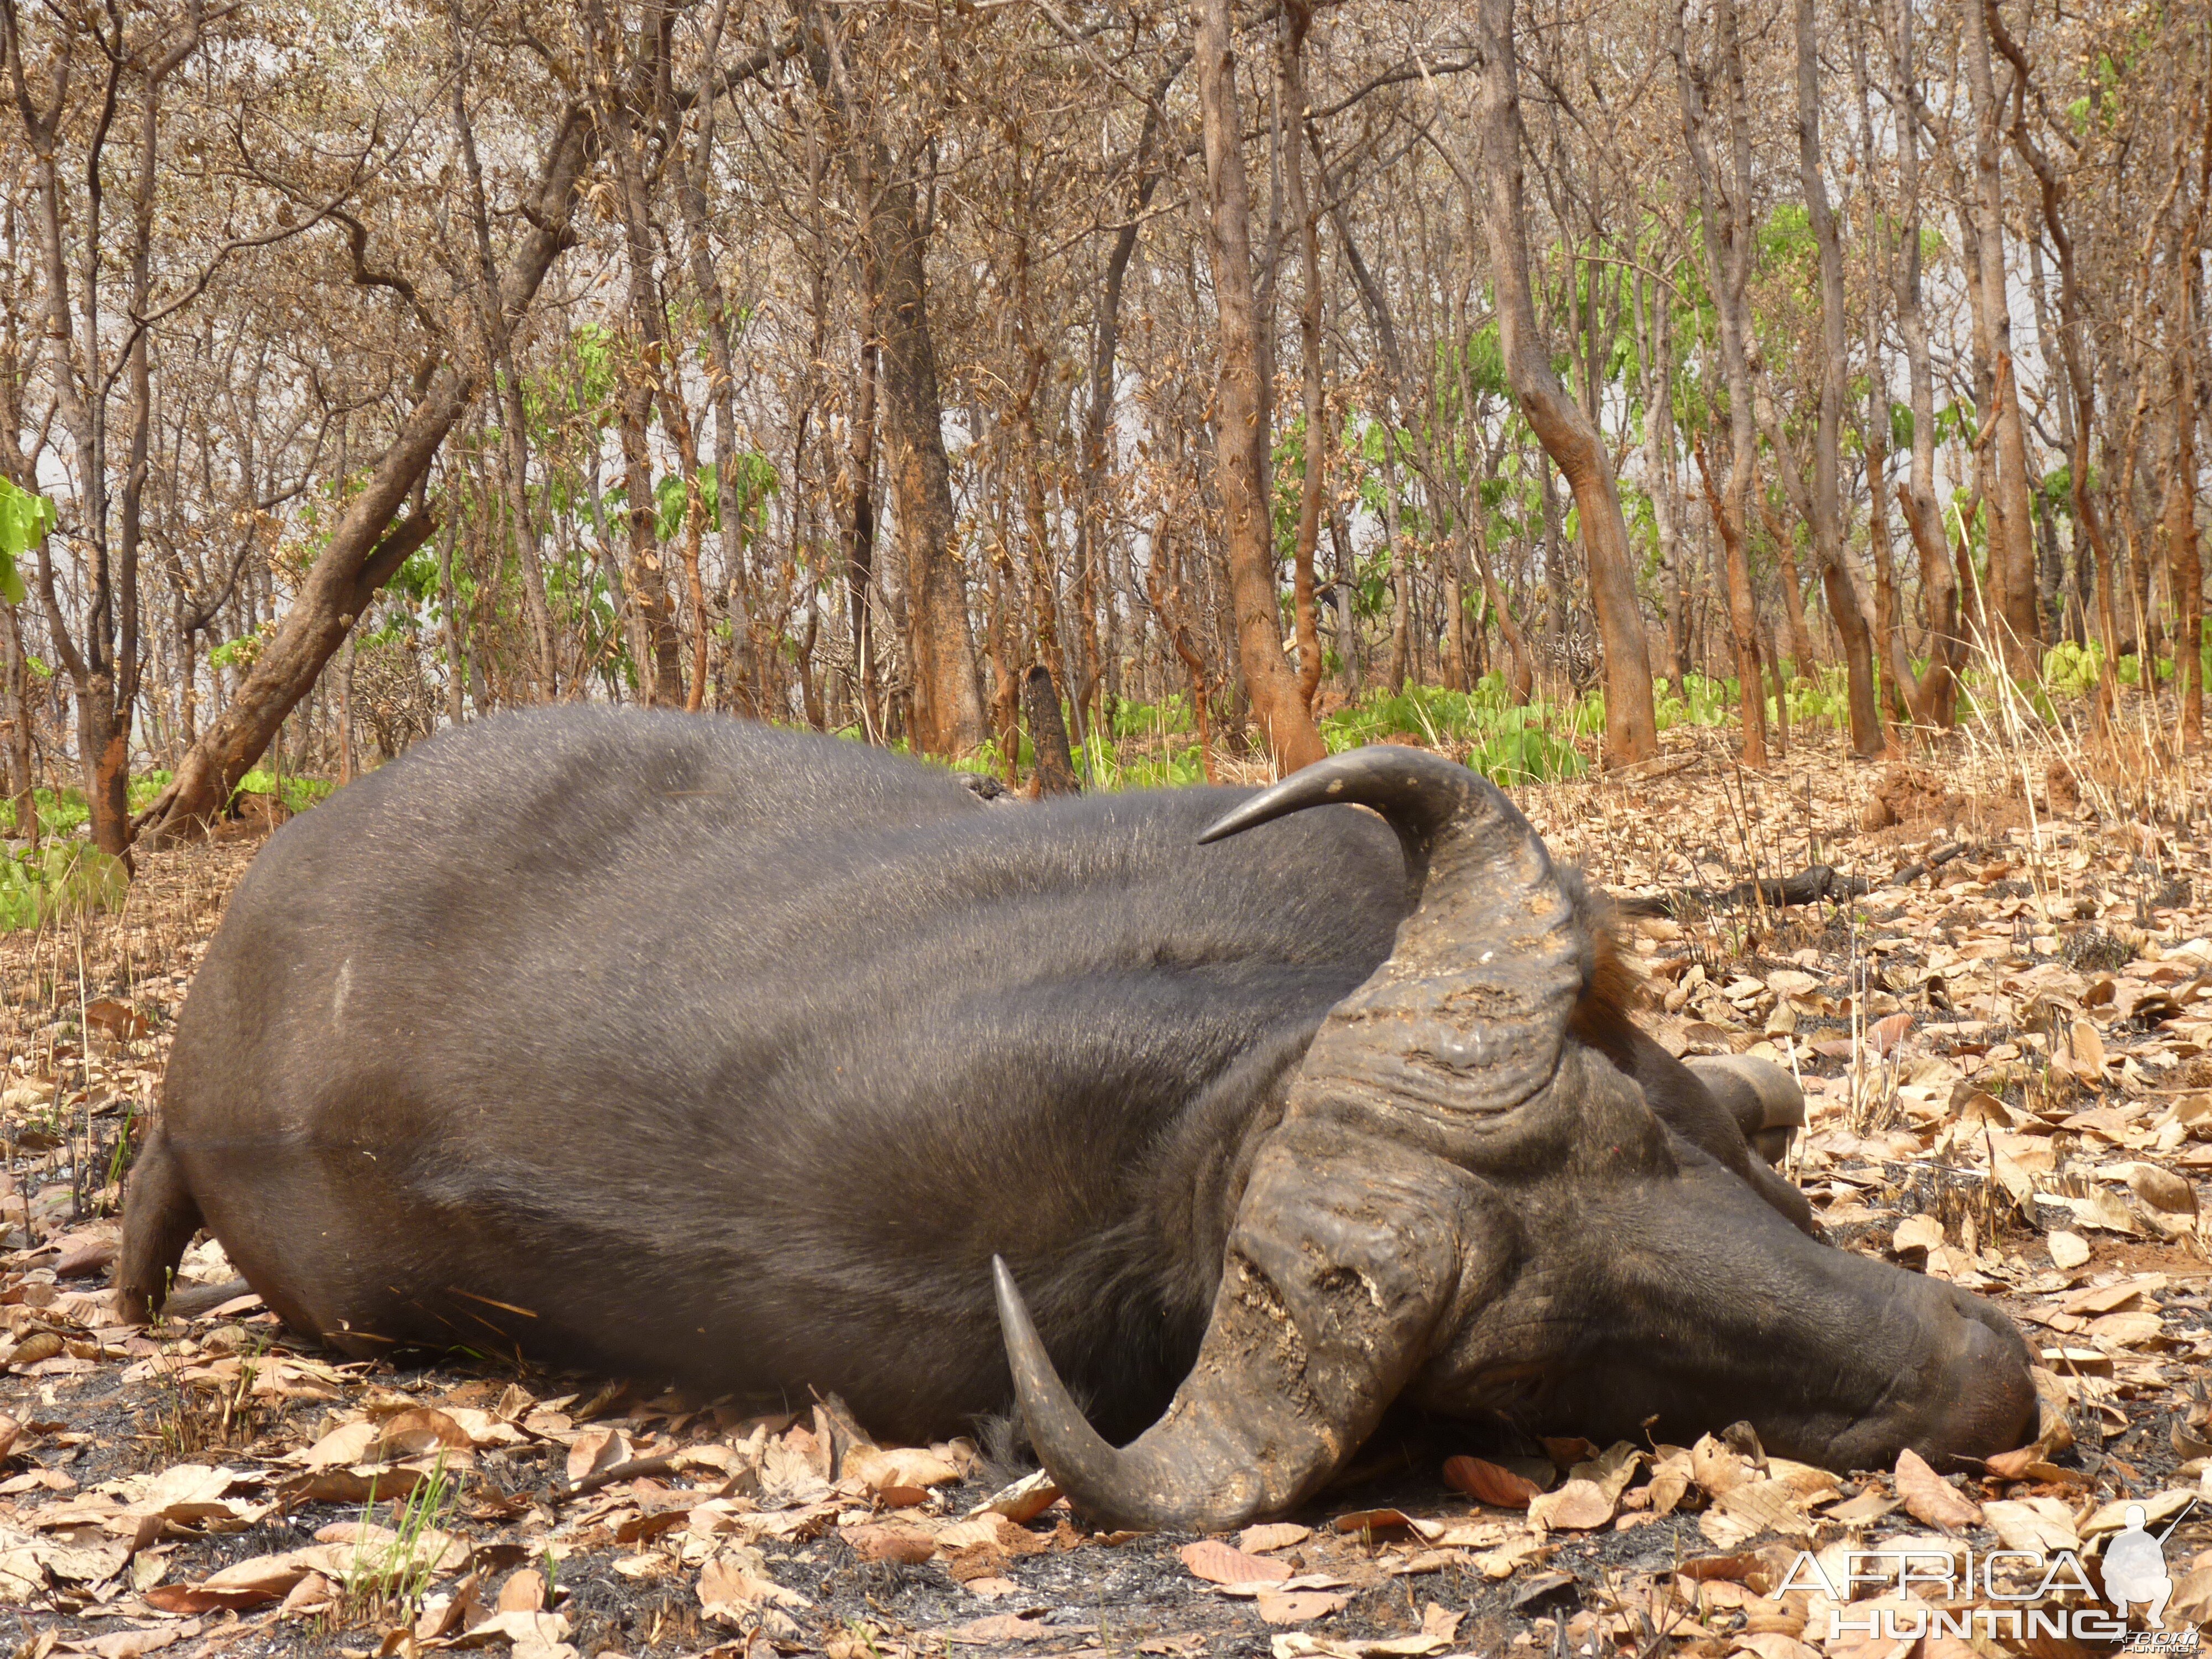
687	1049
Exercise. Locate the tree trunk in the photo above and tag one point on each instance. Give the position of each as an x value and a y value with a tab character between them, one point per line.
1730	245
732	500
861	534
2185	339
1792	582
1298	18
2184	561
1655	364
514	435
1094	539
457	668
948	695
1240	431
25	772
1867	735
1923	519
1902	690
1519	672
662	671
948	714
346	662
1780	688
2011	532
1402	572
1055	761
645	382
1569	433
1350	667
1006	685
1167	605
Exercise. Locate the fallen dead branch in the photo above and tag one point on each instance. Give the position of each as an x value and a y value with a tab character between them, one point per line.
1934	861
1811	885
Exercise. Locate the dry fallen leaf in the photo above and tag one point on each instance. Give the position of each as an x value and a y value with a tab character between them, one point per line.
878	1543
2041	1524
1715	1467
1774	1645
1766	1506
2157	1509
880	1469
1884	1034
1577	1506
1487	1483
1001	1628
594	1450
1298	1606
1218	1564
119	1020
735	1587
411	1433
1918	1232
1929	1496
2162	1189
347	1443
1272	1536
1736	1569
1386	1521
535	1635
2101	1208
1023	1500
2068	1250
134	1644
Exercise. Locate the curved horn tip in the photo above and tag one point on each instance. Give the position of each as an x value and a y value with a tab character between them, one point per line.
1079	1459
1054	1420
1013	1312
1357	777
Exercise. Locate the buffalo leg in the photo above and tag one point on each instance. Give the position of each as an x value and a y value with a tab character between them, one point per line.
1765	1100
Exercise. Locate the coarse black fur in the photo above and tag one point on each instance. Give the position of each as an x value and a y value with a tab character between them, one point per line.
794	1029
689	1049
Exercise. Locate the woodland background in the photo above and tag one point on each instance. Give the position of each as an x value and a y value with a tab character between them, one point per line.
1530	377
1654	403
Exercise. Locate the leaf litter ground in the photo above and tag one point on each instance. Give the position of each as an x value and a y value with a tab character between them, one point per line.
2006	1043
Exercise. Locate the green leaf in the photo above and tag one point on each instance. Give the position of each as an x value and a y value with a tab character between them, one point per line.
25	521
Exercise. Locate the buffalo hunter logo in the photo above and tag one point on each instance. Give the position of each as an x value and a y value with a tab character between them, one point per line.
2135	1577
2135	1567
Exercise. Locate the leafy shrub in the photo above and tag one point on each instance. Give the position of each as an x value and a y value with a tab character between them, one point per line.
1520	748
1823	698
1510	743
1704	702
63	812
299	794
1151	720
1108	769
2072	669
61	878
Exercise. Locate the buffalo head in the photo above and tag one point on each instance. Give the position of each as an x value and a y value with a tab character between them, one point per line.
1466	1205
